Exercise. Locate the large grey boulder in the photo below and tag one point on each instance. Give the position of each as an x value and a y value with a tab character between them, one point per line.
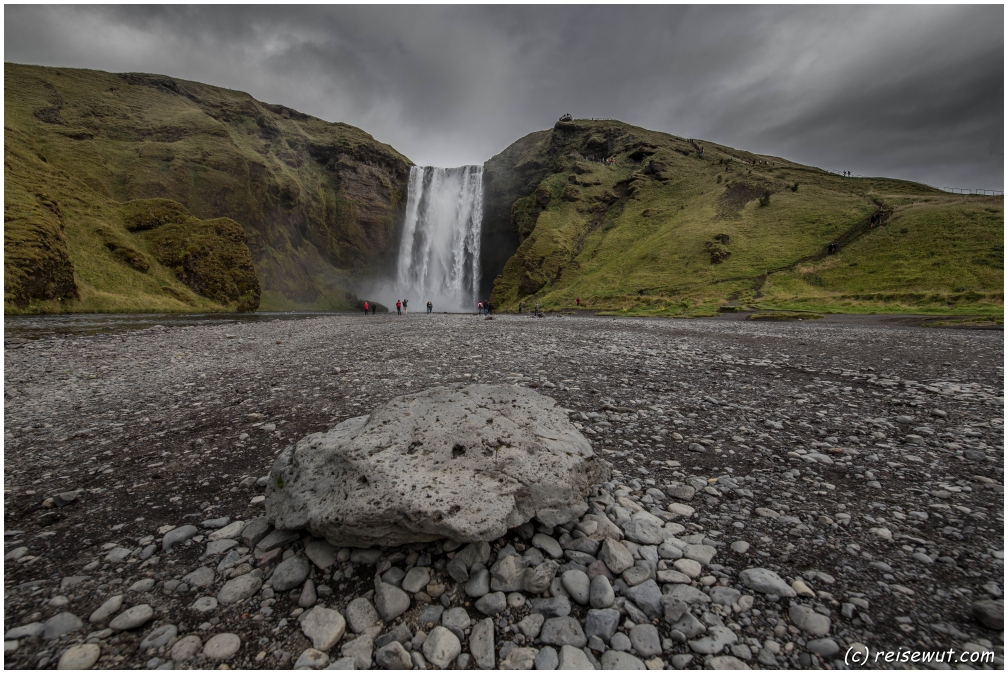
461	463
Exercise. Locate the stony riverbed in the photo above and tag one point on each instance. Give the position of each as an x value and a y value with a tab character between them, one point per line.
858	467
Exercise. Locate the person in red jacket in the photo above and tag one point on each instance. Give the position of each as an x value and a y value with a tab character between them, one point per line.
365	308
398	307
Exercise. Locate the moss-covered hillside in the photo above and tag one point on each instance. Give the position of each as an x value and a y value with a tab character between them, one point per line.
661	229
230	184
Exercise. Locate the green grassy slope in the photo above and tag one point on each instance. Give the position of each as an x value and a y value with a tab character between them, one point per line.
318	202
661	230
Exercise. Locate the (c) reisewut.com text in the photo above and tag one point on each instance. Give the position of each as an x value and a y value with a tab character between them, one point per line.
862	656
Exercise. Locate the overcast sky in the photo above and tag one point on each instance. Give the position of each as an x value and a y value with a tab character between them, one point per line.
914	92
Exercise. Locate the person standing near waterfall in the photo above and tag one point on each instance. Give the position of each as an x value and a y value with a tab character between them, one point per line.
405	310
365	308
398	307
430	307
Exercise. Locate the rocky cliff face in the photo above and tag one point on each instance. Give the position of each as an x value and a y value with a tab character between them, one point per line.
507	177
320	203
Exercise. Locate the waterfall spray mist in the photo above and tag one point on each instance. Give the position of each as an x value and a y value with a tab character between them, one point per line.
440	250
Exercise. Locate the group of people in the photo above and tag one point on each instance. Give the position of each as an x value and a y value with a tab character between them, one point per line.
402	307
483	307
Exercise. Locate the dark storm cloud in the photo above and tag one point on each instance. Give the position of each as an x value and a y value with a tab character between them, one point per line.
908	91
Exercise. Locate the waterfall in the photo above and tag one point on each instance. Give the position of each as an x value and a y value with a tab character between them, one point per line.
440	249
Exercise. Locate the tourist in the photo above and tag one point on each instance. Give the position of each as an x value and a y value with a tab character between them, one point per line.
578	301
430	307
520	305
479	308
405	310
374	308
365	308
537	309
398	307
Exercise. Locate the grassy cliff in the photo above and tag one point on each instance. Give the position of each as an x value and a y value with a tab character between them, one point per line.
256	205
661	229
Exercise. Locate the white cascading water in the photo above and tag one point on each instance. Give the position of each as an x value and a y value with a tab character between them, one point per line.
440	250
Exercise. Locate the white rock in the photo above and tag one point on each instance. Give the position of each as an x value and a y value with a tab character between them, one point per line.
83	656
497	457
222	646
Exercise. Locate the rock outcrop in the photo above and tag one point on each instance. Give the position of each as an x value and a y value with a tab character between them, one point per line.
466	464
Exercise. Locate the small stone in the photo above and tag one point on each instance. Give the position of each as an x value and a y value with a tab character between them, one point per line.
507	575
366	556
537	580
290	573
456	619
573	658
176	536
321	553
346	662
159	636
613	659
492	603
205	604
222	646
393	656
277	538
107	610
717	638
481	643
479	583
416	579
740	547
520	658
601	593
360	650
577	585
16	554
825	648
766	581
802	590
186	648
563	631
648	596
645	640
441	647
30	630
143	585
311	658
60	624
809	621
132	618
308	595
690	567
547	658
725	662
202	577
551	607
360	615
221	546
615	555
323	627
390	601
82	656
240	588
531	624
990	613
232	530
548	545
253	532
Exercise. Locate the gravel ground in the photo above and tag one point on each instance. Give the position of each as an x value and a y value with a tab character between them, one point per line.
862	464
